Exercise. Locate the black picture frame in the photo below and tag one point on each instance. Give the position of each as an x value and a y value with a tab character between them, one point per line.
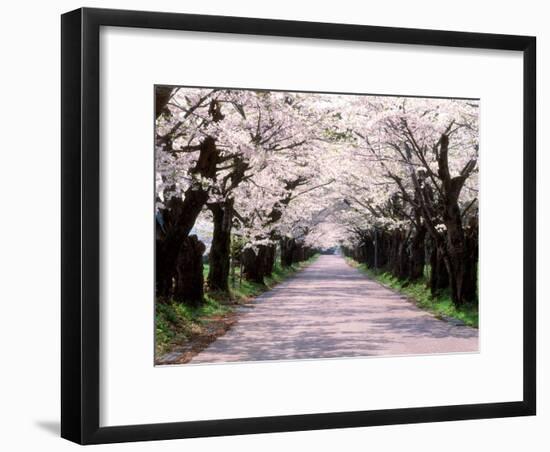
80	263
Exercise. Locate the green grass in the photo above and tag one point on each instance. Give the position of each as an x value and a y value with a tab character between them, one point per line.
177	323
441	305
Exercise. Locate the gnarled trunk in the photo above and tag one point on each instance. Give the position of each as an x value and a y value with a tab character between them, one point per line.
189	287
220	249
258	264
172	228
439	277
370	255
287	251
471	256
417	254
398	256
269	259
254	264
298	253
453	248
461	258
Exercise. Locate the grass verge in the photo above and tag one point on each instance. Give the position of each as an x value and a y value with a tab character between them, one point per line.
442	305
187	330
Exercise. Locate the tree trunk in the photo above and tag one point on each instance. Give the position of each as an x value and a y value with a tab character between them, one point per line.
368	246
254	264
403	264
220	249
384	251
270	259
452	247
417	254
189	287
439	277
174	223
471	255
459	264
287	251
177	221
297	253
457	254
398	258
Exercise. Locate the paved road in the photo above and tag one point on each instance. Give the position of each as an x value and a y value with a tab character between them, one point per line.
331	310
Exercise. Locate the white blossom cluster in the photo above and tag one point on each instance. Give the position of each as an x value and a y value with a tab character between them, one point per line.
326	164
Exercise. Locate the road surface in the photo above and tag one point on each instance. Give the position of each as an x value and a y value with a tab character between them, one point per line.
332	310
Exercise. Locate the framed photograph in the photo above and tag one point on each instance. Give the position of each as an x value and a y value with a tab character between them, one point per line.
276	225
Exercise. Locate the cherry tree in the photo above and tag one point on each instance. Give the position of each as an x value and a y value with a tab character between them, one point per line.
208	143
427	149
